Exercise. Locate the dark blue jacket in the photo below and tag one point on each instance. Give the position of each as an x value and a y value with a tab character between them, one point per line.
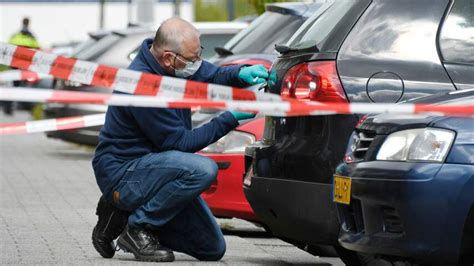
131	132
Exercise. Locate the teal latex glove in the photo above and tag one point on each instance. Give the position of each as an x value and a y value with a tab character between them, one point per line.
242	115
272	78
252	75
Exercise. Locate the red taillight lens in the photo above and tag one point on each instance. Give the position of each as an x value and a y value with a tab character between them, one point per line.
313	81
267	64
30	77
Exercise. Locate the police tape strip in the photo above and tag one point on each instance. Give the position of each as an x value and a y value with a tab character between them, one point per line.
268	108
46	125
184	93
296	108
123	80
20	75
68	123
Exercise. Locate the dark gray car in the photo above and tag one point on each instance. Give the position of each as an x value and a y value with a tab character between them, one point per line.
348	51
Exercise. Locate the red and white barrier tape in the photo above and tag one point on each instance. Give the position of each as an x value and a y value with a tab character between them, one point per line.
20	75
173	92
296	108
52	124
123	80
268	108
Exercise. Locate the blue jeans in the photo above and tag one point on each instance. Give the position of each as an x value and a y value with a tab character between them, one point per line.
162	190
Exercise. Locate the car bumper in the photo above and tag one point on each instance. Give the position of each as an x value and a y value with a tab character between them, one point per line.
414	210
225	197
296	211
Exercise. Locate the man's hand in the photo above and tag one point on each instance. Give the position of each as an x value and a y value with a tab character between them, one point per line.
253	74
242	115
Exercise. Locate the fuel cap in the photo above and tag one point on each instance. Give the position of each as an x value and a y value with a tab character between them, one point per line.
385	87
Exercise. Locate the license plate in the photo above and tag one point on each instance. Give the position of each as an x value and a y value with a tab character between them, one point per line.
342	189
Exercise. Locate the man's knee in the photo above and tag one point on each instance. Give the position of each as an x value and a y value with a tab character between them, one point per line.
206	169
216	254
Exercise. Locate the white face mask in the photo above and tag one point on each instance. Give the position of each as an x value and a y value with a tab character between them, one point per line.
189	69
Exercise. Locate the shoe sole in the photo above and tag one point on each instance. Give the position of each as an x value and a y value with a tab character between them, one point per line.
126	248
98	247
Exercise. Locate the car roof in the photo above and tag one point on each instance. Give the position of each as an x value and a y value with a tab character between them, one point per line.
132	31
220	27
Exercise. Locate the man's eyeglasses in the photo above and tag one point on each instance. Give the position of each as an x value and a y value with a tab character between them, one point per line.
187	59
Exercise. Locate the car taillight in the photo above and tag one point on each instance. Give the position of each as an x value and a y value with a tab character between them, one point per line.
313	81
267	64
30	77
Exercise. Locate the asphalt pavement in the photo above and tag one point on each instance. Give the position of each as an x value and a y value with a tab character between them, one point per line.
48	197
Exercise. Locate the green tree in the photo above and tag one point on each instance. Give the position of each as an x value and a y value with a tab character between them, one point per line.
216	10
212	10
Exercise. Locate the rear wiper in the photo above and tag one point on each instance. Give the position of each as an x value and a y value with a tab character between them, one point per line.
223	51
284	49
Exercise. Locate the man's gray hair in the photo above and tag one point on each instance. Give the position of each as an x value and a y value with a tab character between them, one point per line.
171	33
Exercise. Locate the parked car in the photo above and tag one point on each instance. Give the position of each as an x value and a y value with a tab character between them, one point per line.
256	43
411	181
118	49
348	51
253	45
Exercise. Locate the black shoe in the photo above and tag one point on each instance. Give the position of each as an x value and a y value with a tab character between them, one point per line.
111	223
144	245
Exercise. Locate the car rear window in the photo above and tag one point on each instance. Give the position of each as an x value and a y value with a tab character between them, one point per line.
457	34
328	26
210	41
264	32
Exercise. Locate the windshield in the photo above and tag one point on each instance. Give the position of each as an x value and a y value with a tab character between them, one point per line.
82	46
316	30
264	32
118	54
95	50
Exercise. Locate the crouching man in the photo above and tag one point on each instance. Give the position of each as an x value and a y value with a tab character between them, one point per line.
145	164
